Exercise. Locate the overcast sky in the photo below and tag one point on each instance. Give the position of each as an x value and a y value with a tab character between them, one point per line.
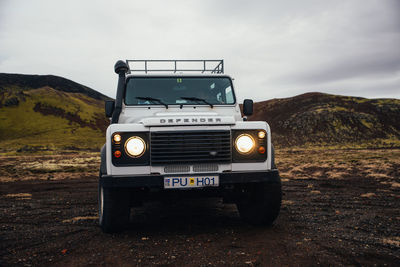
272	48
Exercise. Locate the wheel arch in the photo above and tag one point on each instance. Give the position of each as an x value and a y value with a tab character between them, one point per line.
103	162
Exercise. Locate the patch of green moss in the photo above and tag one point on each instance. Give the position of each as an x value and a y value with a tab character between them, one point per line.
21	126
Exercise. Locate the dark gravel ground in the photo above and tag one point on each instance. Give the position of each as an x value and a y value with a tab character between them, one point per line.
335	226
348	221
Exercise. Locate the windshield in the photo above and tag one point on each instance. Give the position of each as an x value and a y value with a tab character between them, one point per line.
179	91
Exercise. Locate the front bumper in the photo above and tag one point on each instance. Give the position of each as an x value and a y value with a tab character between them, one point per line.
157	181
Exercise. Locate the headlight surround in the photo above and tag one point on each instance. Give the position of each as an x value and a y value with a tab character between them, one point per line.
130	149
249	145
244	144
135	147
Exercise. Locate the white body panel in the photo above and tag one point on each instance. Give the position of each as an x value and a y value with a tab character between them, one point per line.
145	170
151	113
131	170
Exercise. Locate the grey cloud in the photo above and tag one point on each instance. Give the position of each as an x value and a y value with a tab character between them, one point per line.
363	66
274	49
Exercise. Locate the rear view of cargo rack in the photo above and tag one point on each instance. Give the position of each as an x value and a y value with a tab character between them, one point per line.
213	66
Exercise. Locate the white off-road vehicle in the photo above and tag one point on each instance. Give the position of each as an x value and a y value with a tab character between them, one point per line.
176	132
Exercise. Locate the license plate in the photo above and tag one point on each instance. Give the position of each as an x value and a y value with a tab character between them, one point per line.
190	181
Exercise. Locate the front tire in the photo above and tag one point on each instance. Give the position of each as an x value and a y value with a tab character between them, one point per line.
260	203
113	209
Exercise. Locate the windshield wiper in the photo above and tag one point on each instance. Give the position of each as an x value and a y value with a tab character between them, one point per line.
198	99
152	99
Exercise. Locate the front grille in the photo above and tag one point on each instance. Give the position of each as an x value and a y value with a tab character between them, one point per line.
190	147
205	167
176	168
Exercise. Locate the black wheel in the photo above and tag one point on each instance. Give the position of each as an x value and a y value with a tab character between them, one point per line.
260	203
114	209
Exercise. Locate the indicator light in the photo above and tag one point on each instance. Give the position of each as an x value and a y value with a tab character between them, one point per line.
261	150
117	154
117	138
261	134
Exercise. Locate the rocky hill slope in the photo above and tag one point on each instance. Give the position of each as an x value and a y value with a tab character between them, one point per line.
53	113
49	113
317	119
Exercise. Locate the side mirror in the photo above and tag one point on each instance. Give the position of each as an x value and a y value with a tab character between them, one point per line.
109	107
248	107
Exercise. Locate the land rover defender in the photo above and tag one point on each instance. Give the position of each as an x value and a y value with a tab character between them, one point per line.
177	131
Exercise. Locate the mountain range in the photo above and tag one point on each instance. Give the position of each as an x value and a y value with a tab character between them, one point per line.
51	113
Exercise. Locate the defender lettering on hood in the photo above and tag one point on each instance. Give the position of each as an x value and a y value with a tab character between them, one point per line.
190	120
169	121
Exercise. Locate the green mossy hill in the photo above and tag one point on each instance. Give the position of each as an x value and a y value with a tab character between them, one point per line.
50	119
317	119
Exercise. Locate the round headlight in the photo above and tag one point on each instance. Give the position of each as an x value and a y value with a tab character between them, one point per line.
135	146
244	143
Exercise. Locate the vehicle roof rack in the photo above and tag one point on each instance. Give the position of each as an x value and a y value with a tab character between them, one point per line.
213	66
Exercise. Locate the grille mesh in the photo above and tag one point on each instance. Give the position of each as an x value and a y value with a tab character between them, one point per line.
176	168
190	147
205	168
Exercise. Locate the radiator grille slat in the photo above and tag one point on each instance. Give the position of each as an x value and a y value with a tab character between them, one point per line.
190	147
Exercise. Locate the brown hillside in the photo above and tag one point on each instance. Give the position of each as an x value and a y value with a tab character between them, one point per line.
324	119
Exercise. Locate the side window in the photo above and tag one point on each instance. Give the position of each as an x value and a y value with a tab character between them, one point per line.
229	95
219	98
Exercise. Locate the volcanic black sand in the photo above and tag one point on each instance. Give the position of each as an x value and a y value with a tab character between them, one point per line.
339	208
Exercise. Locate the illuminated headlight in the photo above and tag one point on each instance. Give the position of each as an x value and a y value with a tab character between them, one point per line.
135	146
244	143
